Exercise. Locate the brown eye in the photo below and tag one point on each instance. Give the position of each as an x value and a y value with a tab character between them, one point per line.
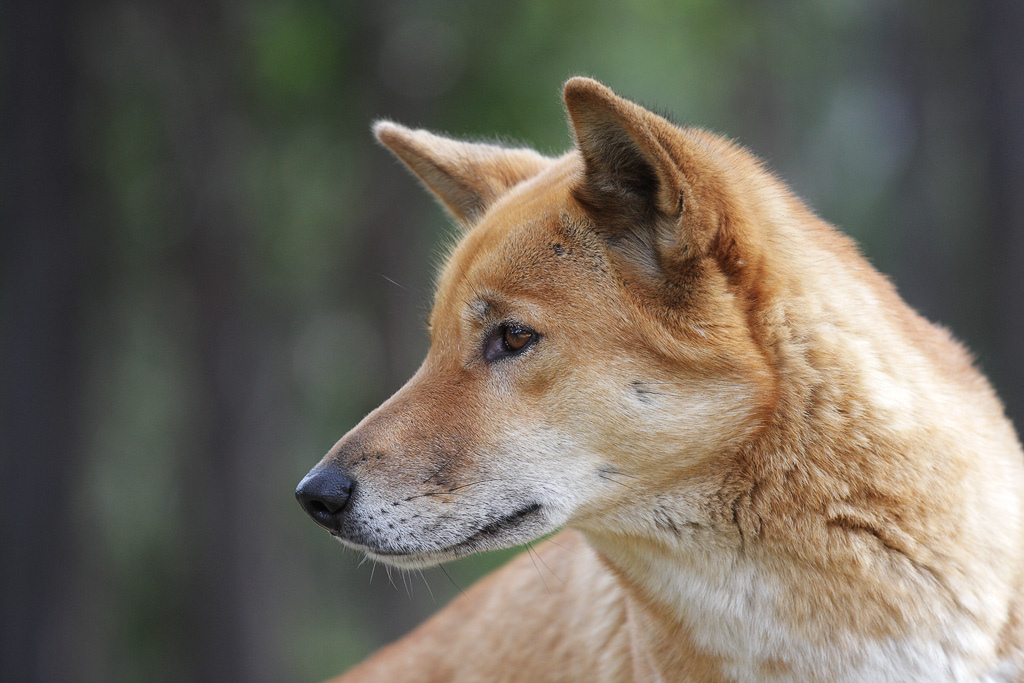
516	337
508	340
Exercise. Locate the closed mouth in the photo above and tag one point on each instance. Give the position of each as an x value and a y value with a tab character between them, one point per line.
502	524
472	542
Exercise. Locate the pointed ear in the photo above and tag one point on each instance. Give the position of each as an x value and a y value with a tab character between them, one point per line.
465	176
653	183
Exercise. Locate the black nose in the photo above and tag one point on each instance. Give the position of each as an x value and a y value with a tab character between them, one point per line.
323	494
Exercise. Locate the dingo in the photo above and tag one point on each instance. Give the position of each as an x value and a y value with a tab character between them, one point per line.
770	467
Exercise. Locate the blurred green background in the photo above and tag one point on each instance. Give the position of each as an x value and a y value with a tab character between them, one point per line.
210	271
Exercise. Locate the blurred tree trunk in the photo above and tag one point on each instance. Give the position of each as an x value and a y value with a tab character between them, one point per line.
914	61
1001	51
222	615
42	293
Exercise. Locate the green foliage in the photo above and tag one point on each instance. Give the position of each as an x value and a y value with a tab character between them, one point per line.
298	51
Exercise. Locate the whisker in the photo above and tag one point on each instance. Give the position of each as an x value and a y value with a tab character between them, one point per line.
550	571
446	492
405	582
411	290
427	584
445	572
607	477
529	551
465	276
556	543
619	473
428	494
472	483
440	469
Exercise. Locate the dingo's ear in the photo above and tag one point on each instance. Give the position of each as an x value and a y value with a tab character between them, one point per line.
654	185
465	176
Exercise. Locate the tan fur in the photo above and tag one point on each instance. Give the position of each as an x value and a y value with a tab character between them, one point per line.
770	467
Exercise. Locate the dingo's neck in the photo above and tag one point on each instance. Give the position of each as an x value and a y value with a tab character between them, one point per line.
730	610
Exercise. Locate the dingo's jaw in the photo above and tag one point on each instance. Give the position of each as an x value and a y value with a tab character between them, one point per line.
332	500
503	532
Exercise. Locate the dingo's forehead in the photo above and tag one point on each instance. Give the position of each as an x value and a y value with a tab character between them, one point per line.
528	247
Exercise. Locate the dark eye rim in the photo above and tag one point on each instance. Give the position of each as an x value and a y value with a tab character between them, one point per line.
496	346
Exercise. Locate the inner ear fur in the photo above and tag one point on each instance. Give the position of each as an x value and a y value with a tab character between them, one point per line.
465	176
653	187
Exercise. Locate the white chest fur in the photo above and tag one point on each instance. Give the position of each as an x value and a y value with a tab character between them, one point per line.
731	608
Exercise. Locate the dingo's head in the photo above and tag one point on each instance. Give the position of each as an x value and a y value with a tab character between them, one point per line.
591	342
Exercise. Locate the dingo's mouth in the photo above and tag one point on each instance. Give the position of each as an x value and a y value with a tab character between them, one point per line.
492	536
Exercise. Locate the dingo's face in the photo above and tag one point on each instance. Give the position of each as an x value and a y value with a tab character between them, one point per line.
590	351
